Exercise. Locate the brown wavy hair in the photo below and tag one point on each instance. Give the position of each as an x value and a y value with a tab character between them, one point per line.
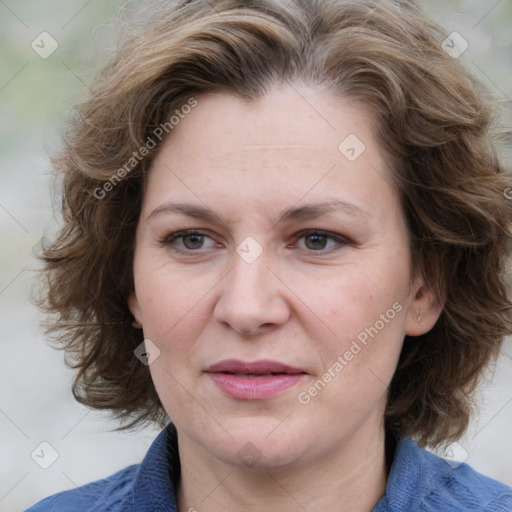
433	121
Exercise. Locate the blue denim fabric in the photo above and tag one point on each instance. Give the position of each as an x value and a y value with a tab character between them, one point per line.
418	482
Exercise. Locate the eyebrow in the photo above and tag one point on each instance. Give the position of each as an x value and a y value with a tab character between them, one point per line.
309	211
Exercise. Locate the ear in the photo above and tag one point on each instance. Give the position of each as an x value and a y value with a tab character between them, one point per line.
133	305
424	310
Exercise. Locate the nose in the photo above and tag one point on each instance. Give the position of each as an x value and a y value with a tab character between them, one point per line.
252	299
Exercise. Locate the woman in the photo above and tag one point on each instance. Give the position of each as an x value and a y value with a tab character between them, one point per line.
285	230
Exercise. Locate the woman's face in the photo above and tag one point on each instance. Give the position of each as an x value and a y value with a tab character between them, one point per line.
280	319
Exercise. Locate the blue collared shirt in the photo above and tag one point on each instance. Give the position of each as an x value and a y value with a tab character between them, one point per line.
418	481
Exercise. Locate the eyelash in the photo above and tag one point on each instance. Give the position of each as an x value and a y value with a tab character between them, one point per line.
170	240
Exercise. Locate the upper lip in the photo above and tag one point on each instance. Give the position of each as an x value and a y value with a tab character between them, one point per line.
252	367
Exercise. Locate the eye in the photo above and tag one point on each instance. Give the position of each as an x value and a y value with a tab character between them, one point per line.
188	241
317	241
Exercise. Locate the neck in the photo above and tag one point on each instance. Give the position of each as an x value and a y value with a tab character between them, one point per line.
351	478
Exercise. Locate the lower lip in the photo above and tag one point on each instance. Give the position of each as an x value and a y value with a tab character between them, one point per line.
254	388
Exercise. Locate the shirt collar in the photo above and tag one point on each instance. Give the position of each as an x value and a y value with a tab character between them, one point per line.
159	473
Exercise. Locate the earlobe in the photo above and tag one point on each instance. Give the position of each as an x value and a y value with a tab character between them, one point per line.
133	305
423	312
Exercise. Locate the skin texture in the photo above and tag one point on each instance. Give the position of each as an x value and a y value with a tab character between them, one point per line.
301	302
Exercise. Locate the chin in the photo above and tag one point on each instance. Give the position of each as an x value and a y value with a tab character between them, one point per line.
246	453
259	443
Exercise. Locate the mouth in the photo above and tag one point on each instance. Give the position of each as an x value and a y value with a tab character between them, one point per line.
253	368
256	380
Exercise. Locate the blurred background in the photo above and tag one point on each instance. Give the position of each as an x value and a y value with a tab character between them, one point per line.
49	51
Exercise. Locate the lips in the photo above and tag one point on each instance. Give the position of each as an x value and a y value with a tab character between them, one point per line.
256	380
256	368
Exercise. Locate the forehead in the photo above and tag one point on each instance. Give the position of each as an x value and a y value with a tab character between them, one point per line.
289	117
294	142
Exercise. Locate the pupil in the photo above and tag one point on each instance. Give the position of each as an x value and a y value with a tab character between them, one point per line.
319	241
193	241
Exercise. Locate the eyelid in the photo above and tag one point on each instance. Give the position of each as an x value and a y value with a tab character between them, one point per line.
339	239
185	232
322	232
168	240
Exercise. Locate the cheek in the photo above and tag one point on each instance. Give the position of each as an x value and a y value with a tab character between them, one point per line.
174	311
173	306
360	350
351	295
358	315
